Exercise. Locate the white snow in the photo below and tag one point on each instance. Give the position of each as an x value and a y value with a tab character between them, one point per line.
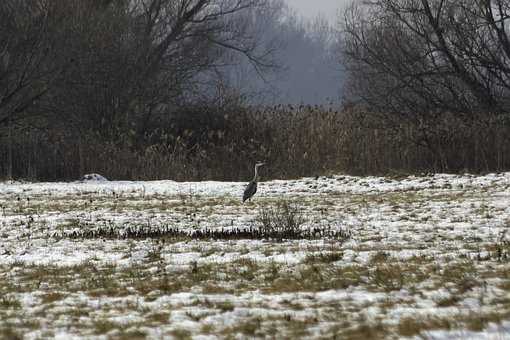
445	219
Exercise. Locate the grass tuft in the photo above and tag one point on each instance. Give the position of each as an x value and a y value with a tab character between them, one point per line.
284	221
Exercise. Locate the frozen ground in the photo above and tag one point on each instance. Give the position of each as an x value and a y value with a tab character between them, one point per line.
426	257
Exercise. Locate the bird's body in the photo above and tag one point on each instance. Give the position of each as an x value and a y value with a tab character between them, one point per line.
251	188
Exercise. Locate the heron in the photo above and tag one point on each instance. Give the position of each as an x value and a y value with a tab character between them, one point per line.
251	188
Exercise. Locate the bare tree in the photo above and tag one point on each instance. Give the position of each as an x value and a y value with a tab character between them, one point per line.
115	64
189	37
434	65
29	61
429	55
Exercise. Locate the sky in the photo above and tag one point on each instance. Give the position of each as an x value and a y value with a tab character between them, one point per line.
310	8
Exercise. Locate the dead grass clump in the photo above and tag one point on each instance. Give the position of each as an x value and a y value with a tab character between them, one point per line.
389	277
324	257
364	330
181	334
314	277
284	221
380	257
158	317
449	301
499	251
410	327
10	302
250	328
52	297
103	326
10	332
462	274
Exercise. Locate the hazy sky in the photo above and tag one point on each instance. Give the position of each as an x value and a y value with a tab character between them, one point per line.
311	8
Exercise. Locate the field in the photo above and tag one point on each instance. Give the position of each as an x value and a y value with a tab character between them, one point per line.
338	256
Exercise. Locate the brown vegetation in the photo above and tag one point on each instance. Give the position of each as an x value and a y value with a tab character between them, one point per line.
119	92
299	141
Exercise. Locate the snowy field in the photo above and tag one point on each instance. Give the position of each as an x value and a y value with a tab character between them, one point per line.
416	257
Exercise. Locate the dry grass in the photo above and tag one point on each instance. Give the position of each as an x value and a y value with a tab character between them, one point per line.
318	272
259	288
314	140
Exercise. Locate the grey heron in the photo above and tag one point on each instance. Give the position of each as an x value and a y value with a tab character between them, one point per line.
251	188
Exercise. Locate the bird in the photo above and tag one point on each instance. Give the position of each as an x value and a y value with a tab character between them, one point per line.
251	188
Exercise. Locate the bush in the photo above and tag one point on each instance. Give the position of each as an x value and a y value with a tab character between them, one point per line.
284	220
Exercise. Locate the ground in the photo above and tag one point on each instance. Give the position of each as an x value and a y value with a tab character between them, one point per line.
416	257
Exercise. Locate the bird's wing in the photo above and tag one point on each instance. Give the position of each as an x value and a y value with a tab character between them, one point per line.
250	190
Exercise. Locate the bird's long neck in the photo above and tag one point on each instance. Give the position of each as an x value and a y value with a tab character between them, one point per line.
256	175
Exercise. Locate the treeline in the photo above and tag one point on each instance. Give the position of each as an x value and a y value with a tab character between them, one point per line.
439	67
158	89
106	65
139	89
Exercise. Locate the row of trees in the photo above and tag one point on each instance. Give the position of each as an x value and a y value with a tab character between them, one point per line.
145	74
414	58
109	64
440	66
117	79
105	64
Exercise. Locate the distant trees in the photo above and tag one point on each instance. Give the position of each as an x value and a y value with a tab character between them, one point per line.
114	64
30	61
415	57
89	83
311	74
438	67
305	52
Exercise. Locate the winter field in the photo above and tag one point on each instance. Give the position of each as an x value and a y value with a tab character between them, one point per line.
339	256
